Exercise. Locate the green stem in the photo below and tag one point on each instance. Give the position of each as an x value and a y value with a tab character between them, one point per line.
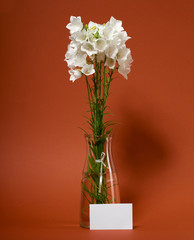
89	97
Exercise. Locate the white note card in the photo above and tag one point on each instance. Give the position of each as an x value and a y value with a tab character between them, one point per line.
111	216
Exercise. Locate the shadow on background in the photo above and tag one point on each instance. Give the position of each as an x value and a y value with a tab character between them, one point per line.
145	154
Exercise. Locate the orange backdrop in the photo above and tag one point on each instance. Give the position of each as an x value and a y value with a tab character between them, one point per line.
42	151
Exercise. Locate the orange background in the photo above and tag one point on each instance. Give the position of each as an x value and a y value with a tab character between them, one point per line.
42	151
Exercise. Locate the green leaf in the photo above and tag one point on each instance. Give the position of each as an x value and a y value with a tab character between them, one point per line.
109	131
92	162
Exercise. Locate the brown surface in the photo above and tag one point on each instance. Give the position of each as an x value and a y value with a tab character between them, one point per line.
42	150
61	232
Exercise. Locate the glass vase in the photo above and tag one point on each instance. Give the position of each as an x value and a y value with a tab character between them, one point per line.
99	184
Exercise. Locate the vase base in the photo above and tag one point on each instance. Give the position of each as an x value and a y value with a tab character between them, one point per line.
84	226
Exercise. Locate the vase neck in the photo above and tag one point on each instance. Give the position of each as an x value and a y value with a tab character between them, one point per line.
99	153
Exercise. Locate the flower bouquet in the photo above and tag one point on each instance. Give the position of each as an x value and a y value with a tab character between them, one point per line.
96	51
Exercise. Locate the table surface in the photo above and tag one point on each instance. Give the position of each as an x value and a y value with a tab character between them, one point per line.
63	232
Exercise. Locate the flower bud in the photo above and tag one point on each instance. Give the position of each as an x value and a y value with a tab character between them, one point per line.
86	27
93	28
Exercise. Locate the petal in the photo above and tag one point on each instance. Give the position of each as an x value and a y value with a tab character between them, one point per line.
74	74
107	32
100	44
88	48
79	36
110	62
75	24
111	51
88	69
124	71
116	24
123	53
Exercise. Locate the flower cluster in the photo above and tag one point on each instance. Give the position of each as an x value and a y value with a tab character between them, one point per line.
97	43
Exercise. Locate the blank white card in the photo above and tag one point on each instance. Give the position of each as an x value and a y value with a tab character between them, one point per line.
111	216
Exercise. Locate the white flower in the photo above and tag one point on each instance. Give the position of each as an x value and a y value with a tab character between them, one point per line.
80	59
116	24
70	62
75	24
93	27
123	37
90	37
125	66
110	63
124	70
116	41
74	44
106	41
123	53
79	36
100	44
88	48
111	51
126	61
77	60
106	32
72	50
74	74
129	58
88	69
